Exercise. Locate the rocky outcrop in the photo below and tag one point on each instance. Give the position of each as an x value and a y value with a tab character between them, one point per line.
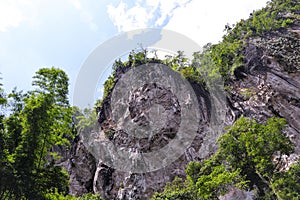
236	194
81	167
147	105
267	85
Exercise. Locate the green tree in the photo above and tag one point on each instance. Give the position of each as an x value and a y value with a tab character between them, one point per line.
178	189
227	55
53	81
86	119
245	159
38	121
287	183
251	146
55	195
5	169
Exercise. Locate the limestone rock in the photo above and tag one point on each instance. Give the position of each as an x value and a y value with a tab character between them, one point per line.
267	85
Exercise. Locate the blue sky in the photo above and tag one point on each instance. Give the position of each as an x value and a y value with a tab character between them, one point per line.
62	33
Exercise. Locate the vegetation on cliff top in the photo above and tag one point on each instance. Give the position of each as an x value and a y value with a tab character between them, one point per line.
32	123
218	61
227	55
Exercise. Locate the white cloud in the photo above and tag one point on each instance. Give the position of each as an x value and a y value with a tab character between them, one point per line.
126	19
13	13
201	20
76	4
10	15
145	13
204	21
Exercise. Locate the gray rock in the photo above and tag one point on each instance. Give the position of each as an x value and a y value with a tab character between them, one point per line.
262	88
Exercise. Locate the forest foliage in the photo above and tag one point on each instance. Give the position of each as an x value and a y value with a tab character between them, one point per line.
249	157
34	122
31	125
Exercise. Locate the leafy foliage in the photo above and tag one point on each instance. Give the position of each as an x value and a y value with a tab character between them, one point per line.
55	195
84	119
38	121
287	183
250	146
244	160
41	119
54	82
178	189
178	63
226	56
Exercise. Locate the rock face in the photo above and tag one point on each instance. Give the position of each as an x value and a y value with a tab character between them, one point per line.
82	168
267	85
236	194
149	104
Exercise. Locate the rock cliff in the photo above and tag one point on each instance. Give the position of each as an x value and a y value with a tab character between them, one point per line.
267	85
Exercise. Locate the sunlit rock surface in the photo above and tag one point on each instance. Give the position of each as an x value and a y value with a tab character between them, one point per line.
267	85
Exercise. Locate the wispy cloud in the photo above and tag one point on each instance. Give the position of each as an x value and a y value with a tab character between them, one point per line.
144	13
204	21
85	16
10	15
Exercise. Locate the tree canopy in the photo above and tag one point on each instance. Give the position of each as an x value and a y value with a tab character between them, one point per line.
37	121
249	157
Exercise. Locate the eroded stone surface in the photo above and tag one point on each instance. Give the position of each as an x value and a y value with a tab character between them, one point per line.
263	88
